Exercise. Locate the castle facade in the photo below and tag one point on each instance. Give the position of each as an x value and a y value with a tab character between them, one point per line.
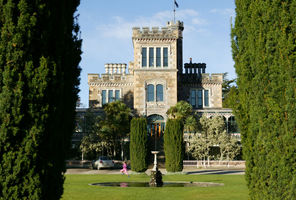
156	79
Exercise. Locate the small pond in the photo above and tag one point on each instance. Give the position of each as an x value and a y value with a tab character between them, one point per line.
165	184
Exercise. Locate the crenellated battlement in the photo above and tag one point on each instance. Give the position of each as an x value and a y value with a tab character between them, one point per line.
195	68
172	30
215	77
196	73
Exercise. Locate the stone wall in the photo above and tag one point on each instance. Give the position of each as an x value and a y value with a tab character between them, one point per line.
167	76
111	81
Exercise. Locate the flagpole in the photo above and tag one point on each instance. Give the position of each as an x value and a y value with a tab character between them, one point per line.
174	12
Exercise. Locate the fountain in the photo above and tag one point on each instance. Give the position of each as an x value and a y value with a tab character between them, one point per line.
156	176
156	180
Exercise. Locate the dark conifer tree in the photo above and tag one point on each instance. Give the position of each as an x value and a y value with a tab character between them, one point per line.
138	144
174	145
39	78
264	46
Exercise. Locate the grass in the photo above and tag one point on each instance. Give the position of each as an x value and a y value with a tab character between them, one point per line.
76	187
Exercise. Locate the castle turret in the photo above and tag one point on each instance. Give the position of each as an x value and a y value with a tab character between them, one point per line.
157	61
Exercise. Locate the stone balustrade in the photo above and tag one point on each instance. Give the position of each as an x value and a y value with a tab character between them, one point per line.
115	68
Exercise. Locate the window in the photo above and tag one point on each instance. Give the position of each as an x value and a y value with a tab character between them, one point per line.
158	57
144	57
199	98
150	93
206	98
110	96
193	98
159	92
104	97
151	57
155	56
165	56
117	95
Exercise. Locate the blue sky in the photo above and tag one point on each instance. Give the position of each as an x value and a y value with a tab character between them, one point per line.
106	29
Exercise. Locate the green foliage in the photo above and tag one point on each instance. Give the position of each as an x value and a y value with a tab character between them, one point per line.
213	134
191	124
105	132
39	57
87	122
183	111
229	93
91	144
115	124
228	146
174	145
138	144
231	98
264	49
180	111
198	147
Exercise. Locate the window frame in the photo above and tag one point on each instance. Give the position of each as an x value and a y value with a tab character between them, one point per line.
165	57
110	96
151	56
104	97
206	98
158	57
159	93
117	95
150	94
144	57
199	98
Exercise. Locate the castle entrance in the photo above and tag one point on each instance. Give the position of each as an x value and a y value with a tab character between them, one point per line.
156	126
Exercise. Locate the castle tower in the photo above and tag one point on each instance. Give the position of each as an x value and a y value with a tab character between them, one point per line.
157	62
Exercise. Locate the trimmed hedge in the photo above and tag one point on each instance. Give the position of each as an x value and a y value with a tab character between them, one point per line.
138	144
264	46
173	145
39	83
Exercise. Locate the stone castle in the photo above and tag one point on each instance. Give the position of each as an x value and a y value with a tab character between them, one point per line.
156	79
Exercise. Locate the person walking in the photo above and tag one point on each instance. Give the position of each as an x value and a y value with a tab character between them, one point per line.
124	169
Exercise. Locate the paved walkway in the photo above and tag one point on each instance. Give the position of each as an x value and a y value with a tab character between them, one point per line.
163	171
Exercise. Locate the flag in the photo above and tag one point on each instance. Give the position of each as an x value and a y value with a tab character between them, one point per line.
177	5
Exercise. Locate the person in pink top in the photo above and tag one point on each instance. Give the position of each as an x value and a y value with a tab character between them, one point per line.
124	169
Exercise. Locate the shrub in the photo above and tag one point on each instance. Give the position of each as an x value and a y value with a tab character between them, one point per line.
264	45
173	145
138	144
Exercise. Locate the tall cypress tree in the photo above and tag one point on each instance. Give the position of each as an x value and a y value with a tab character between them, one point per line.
138	144
174	145
39	57
264	46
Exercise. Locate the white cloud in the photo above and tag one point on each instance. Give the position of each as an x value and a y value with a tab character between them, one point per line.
121	28
198	21
226	11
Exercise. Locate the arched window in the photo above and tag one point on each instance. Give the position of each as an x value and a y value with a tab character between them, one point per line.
159	92
150	92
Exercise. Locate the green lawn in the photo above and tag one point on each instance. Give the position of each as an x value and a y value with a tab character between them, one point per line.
76	187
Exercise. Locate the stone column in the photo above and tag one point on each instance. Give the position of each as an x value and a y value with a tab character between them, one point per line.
119	69
124	68
107	68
